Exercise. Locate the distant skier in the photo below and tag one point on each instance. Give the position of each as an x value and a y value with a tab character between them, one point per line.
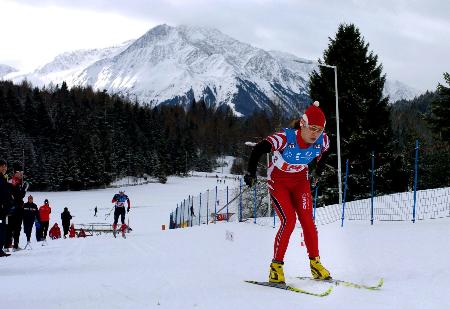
119	210
95	211
289	184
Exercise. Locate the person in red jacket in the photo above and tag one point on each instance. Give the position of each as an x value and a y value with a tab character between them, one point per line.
44	217
55	232
289	184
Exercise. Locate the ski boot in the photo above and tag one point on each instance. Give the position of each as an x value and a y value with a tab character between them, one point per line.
276	273
123	228
114	230
317	269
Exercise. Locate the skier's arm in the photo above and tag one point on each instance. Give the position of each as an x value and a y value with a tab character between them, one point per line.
321	164
261	148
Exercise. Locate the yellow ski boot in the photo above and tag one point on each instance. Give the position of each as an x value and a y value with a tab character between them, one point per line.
276	273
317	269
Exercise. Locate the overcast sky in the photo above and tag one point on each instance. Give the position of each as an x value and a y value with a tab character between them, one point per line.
411	37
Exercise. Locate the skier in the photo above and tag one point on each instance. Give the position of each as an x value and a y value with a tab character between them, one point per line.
289	184
119	210
65	218
44	216
30	214
95	211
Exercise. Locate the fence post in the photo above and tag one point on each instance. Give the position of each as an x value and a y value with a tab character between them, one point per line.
227	204
183	210
415	180
240	200
215	207
254	203
315	202
207	207
371	188
345	192
200	210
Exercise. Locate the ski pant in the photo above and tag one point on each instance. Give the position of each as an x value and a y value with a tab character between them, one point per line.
66	228
28	228
13	229
292	199
44	229
119	211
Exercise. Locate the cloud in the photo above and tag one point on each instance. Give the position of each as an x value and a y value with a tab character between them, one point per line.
409	36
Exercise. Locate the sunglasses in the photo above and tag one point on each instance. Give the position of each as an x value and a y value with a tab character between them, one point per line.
315	129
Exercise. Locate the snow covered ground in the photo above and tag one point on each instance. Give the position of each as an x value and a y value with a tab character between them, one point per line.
199	267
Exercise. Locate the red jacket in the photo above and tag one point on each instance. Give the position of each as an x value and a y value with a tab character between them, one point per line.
44	213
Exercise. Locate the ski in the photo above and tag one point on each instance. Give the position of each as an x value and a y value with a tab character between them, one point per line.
290	288
377	286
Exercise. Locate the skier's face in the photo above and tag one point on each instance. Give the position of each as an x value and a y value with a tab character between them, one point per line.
311	133
3	169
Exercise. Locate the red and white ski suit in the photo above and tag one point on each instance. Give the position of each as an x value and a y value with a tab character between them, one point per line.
291	197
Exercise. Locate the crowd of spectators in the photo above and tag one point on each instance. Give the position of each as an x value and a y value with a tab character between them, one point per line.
14	212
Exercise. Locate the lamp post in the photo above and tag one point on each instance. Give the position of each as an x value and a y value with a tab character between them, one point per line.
338	137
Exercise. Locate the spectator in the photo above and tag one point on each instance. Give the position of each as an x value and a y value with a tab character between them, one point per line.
81	233
44	217
65	218
55	232
18	191
5	203
30	215
72	233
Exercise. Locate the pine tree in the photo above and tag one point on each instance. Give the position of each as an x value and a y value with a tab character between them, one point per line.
440	109
363	112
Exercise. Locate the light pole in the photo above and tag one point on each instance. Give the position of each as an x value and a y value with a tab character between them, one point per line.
338	136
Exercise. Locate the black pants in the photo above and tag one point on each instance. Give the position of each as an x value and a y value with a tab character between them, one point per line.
66	228
13	230
44	228
119	211
28	228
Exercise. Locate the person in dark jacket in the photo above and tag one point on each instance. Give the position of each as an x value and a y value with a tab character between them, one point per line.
30	214
5	203
18	191
65	218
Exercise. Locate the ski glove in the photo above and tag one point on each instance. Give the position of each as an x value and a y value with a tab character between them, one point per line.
250	180
315	178
128	209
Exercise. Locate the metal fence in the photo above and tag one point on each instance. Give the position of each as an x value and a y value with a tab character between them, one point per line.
241	204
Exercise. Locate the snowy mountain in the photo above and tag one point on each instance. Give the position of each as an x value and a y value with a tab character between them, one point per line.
169	65
397	90
6	69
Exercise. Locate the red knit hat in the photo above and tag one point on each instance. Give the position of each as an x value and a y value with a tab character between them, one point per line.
314	116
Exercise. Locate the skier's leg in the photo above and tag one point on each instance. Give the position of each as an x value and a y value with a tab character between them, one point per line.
282	204
281	201
122	218
303	207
